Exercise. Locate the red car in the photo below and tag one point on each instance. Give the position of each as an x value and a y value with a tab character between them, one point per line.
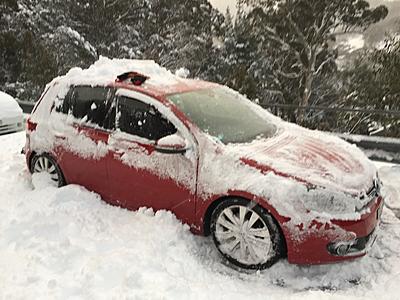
263	188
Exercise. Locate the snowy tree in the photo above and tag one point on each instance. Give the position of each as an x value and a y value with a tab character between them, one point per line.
111	27
27	63
7	43
240	65
180	34
302	32
373	82
43	38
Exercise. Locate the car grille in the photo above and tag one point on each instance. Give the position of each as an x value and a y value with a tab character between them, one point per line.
6	128
375	189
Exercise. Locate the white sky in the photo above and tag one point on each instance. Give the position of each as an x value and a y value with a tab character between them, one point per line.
223	4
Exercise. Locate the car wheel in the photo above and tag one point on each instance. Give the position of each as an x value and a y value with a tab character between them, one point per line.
45	163
246	235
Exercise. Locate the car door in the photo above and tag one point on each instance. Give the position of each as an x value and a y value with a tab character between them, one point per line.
141	176
82	151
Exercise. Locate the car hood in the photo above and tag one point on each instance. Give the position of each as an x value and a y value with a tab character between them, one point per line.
312	157
9	108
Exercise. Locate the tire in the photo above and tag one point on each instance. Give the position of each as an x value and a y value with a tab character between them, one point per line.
45	163
246	235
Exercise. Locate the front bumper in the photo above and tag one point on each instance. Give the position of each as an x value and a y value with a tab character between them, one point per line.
334	241
11	125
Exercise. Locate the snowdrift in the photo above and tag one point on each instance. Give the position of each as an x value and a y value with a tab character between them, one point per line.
67	243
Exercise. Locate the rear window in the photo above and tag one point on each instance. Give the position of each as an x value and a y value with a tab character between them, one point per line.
92	105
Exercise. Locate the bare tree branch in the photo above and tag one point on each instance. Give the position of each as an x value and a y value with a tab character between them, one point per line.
292	75
299	34
321	66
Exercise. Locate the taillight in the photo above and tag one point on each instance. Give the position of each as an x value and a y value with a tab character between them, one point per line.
30	126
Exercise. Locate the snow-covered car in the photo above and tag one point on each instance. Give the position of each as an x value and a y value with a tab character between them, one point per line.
11	116
263	188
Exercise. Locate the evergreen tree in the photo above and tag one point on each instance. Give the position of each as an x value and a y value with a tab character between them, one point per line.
301	32
373	82
40	39
180	34
27	64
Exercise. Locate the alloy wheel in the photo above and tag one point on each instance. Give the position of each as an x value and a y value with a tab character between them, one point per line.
243	235
44	164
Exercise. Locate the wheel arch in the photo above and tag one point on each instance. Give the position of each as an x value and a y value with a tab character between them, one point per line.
278	219
30	159
53	157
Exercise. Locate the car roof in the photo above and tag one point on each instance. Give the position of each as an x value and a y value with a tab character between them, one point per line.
144	76
182	86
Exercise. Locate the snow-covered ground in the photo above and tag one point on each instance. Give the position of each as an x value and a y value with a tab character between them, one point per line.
67	243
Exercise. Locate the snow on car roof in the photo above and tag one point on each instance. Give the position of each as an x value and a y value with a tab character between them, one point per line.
106	70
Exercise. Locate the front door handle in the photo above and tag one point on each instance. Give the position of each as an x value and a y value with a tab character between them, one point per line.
117	154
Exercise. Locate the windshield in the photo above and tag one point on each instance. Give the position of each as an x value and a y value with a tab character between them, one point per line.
224	114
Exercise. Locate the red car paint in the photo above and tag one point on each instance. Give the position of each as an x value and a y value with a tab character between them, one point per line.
114	181
311	248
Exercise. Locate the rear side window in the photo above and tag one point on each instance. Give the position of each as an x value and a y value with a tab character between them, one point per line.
94	105
142	119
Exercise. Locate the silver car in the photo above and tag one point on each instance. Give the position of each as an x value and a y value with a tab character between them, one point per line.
11	116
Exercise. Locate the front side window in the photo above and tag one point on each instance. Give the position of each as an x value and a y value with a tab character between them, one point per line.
141	119
93	105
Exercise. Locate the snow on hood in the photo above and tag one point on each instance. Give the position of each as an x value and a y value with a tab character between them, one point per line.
9	108
280	174
318	158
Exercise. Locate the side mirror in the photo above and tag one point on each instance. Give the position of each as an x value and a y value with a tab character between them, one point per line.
171	144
